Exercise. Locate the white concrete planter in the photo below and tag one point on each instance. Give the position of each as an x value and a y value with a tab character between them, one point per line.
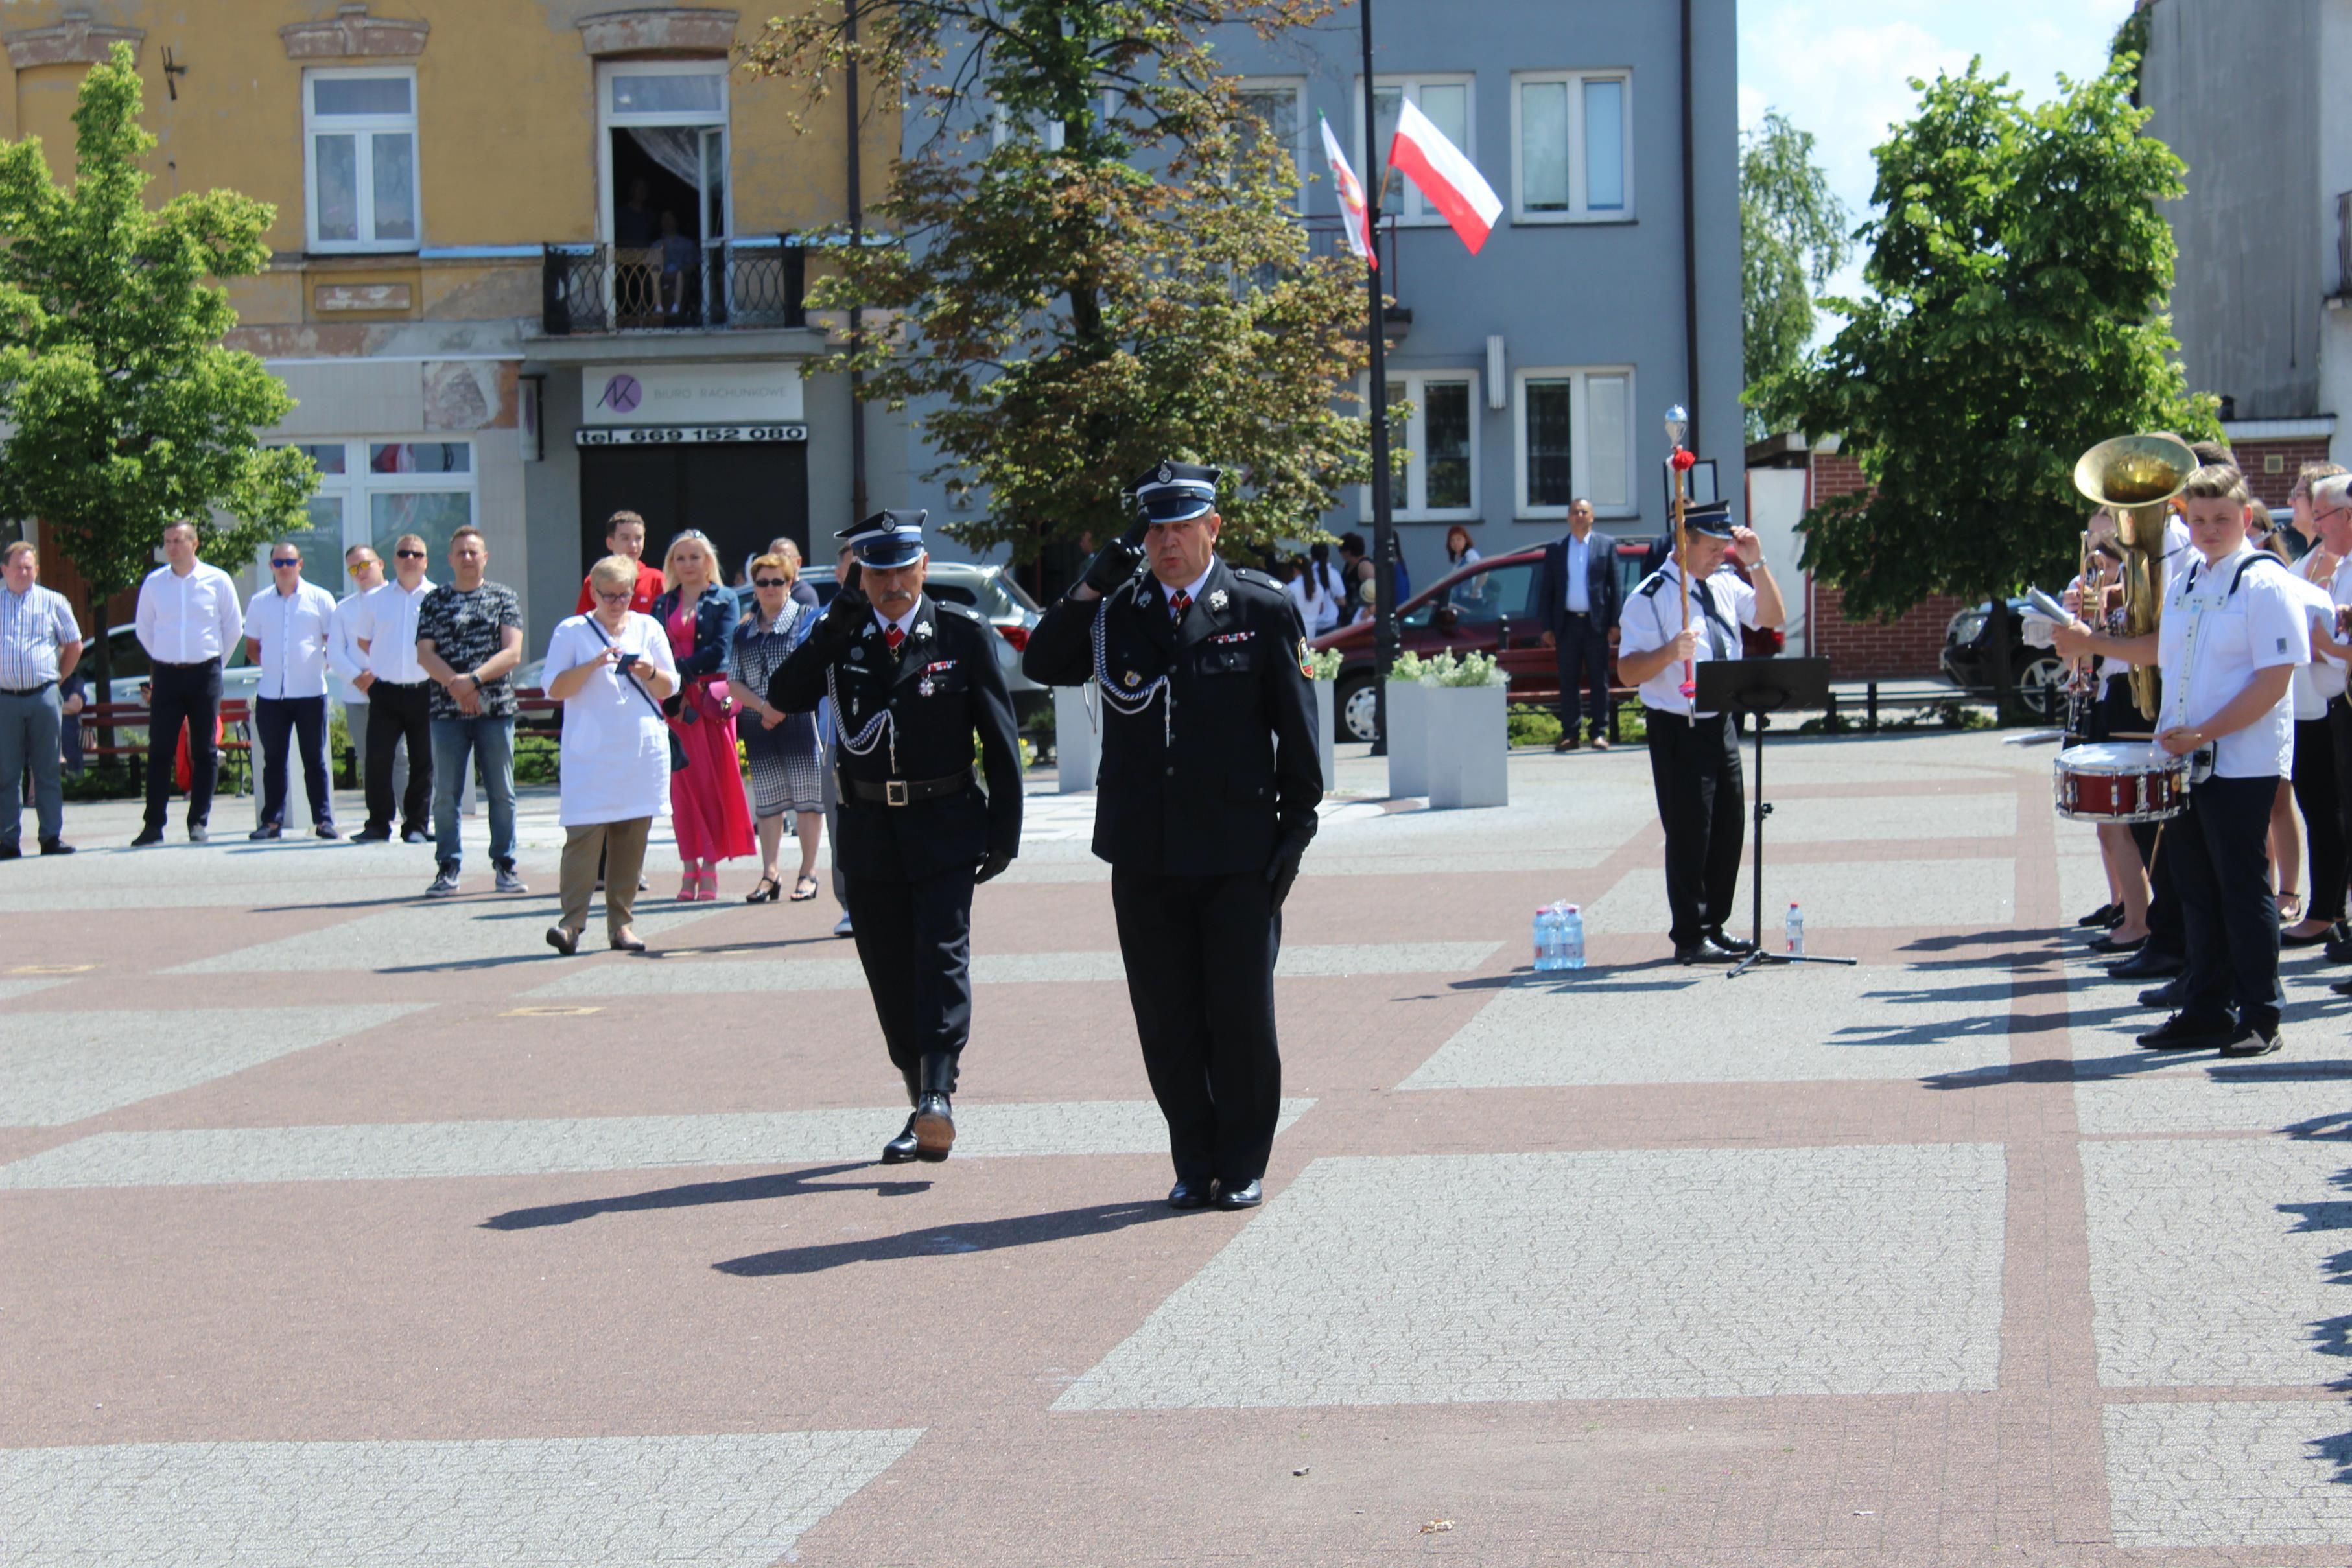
1327	714
1077	748
1408	739
1467	737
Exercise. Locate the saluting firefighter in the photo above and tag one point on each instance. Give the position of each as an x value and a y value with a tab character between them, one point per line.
1695	756
1205	804
912	681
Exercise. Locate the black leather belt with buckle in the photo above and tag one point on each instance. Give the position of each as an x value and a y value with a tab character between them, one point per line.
906	791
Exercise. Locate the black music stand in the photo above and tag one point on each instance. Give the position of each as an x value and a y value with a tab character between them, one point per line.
1761	688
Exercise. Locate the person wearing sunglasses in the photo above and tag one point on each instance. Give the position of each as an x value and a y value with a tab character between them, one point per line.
288	626
399	709
787	764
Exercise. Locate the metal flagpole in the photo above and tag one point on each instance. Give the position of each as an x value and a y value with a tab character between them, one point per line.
1385	606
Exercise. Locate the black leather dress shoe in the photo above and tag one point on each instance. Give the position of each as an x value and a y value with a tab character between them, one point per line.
2342	987
2252	1040
2098	919
2289	939
1189	1194
1704	951
934	1121
2339	943
1730	944
2168	996
267	830
1246	1196
2181	1033
2147	964
2109	944
902	1148
147	836
56	847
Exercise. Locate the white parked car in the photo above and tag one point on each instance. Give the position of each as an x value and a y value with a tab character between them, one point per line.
127	666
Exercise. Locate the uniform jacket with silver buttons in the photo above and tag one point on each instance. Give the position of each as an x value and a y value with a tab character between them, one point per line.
941	688
1204	780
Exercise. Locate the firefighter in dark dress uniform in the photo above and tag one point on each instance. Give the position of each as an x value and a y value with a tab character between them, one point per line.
1205	802
913	680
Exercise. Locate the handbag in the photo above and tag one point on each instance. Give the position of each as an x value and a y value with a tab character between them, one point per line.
677	758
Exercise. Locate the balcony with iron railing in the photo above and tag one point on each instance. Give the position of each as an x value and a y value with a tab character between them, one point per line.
738	284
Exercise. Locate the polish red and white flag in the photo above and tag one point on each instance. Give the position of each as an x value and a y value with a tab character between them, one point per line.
1450	181
1355	219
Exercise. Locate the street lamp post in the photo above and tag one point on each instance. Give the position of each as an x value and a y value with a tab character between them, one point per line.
1384	544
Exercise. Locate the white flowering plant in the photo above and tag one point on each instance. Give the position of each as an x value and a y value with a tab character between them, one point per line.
1448	670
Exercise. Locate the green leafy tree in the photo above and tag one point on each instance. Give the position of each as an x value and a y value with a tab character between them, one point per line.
1792	239
1096	264
125	410
2018	279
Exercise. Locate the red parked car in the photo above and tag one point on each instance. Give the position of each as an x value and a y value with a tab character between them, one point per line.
1476	609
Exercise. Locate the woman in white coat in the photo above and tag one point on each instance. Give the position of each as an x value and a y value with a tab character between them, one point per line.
610	669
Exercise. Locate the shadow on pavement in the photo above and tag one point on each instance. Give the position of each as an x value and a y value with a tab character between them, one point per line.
750	1190
985	1236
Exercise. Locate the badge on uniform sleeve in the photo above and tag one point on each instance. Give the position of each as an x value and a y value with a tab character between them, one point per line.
1217	600
1306	662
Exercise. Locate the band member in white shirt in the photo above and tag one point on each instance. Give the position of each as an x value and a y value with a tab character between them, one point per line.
2232	631
189	623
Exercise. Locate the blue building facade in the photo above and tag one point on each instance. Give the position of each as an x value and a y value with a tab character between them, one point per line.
1539	370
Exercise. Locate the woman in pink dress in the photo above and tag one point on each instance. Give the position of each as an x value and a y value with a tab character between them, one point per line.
707	805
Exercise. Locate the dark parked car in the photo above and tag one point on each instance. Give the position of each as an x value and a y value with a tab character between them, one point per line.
1966	659
1474	611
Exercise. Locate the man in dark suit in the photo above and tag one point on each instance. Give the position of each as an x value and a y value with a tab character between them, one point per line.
913	681
1206	802
1579	601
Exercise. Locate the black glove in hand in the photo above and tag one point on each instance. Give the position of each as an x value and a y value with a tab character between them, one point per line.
1283	870
991	865
1116	561
850	612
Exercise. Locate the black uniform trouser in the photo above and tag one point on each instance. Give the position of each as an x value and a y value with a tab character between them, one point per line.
2166	937
914	939
2339	732
1582	646
398	713
2316	796
1200	954
189	694
2221	850
280	720
1703	801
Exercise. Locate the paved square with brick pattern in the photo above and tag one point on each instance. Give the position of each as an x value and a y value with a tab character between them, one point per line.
341	1228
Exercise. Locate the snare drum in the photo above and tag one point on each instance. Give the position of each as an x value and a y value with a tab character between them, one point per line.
2120	781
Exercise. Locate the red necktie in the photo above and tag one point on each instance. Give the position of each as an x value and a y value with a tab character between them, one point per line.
1179	602
893	636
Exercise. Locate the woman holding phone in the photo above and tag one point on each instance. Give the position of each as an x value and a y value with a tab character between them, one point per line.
610	669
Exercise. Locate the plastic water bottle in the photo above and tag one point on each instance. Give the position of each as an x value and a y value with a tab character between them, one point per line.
1546	940
1572	938
1796	929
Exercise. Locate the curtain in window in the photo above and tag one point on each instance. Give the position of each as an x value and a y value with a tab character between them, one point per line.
676	148
1551	479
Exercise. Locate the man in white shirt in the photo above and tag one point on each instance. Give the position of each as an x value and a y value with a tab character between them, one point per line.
1695	756
189	623
2232	631
290	627
347	658
385	626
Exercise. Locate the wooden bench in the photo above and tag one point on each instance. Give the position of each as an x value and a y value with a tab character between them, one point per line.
100	719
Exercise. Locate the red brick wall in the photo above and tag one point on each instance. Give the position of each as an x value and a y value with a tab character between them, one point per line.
1904	648
2270	485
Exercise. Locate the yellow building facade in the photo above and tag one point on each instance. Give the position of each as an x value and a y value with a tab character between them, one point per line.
534	261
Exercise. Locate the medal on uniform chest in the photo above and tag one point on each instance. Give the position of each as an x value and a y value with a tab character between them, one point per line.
923	629
1133	680
1217	600
925	687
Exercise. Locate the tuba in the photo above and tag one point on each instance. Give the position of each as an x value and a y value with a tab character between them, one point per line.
2135	477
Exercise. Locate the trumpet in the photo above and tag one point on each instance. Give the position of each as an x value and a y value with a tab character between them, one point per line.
2135	477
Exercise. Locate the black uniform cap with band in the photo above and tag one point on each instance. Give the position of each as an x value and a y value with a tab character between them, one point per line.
1712	518
1176	491
886	539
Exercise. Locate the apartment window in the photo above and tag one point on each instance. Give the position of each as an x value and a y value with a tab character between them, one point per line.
1439	481
1573	432
360	157
1279	104
322	543
1446	100
1574	132
371	492
1004	125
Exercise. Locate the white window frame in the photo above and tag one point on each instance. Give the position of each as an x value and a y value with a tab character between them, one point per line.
1581	453
364	128
1413	209
1296	88
999	126
607	121
1411	506
358	483
1579	210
